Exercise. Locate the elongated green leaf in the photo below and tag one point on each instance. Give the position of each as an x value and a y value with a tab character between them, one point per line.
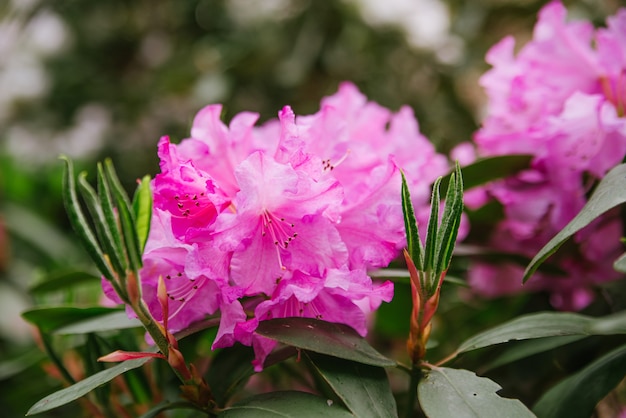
103	229
414	244
79	223
577	395
49	319
527	348
110	219
445	393
323	337
433	228
547	324
363	389
10	367
610	192
83	387
126	216
451	221
492	168
289	404
142	208
63	280
108	322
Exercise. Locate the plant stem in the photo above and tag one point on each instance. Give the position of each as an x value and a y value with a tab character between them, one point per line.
416	375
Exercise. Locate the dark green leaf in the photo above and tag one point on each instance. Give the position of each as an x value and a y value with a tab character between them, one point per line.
83	387
110	218
289	404
79	223
108	322
451	220
126	216
445	393
527	348
492	168
323	337
363	389
610	192
230	370
63	280
10	367
49	319
577	395
430	250
414	244
103	229
142	208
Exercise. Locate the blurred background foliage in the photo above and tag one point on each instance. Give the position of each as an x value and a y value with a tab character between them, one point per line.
95	79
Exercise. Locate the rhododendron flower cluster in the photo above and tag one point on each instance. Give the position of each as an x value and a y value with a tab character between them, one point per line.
562	99
283	219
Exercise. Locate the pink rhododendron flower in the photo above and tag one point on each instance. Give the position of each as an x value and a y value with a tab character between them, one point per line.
283	219
561	100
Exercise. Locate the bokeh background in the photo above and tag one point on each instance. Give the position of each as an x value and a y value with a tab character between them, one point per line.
96	79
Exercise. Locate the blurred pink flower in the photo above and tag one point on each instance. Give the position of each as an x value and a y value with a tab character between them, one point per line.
560	100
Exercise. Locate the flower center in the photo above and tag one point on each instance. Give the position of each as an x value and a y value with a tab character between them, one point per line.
183	290
190	204
327	165
279	230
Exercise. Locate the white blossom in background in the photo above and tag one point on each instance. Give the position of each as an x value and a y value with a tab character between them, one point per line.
426	24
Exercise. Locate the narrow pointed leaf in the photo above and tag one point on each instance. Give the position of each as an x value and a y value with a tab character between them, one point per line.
577	395
323	337
363	389
50	319
127	218
414	244
142	208
104	192
289	404
102	228
527	348
433	227
451	221
610	192
445	393
79	223
83	387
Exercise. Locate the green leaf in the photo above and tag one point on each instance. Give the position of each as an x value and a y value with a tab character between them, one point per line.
288	404
230	370
79	223
10	367
109	322
83	387
577	395
126	216
547	324
492	168
142	209
527	348
63	280
431	237
451	220
457	393
414	244
323	337
363	389
103	229
110	218
52	318
610	192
